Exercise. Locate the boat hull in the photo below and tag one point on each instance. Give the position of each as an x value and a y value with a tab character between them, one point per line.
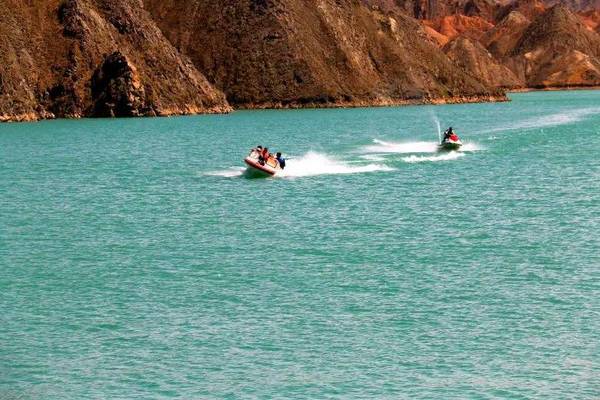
257	169
450	146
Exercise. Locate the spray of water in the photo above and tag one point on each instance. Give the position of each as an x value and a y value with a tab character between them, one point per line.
313	163
381	147
547	121
310	164
453	155
231	172
436	121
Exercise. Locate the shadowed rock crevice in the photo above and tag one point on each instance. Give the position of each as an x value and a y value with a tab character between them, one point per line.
117	91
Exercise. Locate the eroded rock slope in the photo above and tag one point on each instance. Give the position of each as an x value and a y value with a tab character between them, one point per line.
93	58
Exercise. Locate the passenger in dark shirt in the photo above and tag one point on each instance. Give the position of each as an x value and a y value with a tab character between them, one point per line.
281	161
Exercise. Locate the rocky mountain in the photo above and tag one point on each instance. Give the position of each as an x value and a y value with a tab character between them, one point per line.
557	49
72	58
575	5
93	58
434	9
292	53
472	57
503	38
541	46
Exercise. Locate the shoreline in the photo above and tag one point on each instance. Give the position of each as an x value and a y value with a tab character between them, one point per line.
381	102
552	89
298	105
295	105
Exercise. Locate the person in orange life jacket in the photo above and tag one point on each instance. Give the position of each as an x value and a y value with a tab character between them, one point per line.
264	156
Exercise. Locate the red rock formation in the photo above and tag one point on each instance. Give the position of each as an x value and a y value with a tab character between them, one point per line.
529	8
591	19
435	9
557	49
460	25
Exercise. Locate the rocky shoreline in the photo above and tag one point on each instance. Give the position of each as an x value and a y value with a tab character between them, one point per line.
376	103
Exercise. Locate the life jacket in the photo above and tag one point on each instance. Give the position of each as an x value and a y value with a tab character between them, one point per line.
454	137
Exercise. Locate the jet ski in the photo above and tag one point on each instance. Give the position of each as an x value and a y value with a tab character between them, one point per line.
450	145
259	167
451	141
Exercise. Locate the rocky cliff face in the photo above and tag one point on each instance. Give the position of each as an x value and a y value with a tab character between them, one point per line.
575	5
434	9
504	37
71	58
557	50
58	59
477	61
291	53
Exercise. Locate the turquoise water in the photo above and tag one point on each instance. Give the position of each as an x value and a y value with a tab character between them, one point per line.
136	261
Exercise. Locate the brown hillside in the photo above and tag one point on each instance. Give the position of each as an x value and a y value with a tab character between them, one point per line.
52	51
460	25
575	5
591	19
477	61
434	9
557	49
288	53
504	37
529	8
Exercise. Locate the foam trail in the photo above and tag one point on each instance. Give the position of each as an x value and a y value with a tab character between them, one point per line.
550	120
231	172
453	155
380	146
373	157
312	164
468	147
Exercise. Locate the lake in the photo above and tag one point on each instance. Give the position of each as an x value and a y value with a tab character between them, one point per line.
138	261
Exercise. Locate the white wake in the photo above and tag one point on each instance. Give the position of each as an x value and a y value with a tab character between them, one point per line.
380	147
312	164
549	120
231	172
449	156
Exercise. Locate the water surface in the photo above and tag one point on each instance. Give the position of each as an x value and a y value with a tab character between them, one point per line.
136	261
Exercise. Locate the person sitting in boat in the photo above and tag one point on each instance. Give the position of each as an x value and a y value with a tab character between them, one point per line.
280	160
264	156
255	152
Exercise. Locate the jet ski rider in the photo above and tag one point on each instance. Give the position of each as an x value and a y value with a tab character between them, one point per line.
450	135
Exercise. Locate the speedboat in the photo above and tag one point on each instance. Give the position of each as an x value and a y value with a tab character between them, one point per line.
258	167
450	145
